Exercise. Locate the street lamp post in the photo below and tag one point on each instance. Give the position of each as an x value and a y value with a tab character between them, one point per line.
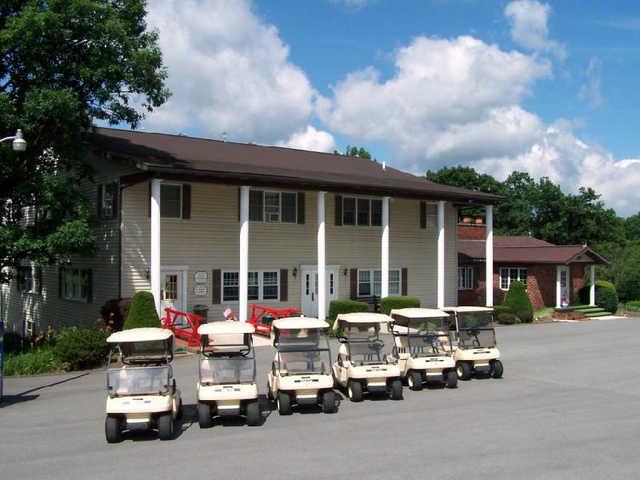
19	144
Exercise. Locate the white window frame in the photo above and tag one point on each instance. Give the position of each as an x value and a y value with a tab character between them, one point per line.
370	201
260	285
264	206
32	269
508	278
78	276
372	281
103	204
468	279
180	207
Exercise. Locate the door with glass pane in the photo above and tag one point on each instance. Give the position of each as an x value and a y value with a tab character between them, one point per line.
309	289
565	290
172	290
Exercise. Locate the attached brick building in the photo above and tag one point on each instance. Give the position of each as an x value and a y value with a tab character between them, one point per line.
551	272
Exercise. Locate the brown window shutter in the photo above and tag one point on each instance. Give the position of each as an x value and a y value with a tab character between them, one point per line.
284	285
423	214
353	283
99	200
301	207
186	201
89	274
60	279
338	210
115	191
216	281
405	281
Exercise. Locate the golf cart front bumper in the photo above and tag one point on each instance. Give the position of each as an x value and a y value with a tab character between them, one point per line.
375	377
479	356
306	388
234	392
139	411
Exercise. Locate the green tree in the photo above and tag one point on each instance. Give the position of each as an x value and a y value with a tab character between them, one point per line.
64	64
353	151
632	227
518	301
142	312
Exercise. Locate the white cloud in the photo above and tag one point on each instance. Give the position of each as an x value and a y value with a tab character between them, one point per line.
529	26
446	98
591	91
311	139
229	71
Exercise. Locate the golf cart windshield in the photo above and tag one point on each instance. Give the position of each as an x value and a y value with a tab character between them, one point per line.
364	343
227	358
424	337
303	351
474	330
139	380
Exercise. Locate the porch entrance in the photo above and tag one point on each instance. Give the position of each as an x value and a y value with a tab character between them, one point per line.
309	288
564	286
173	293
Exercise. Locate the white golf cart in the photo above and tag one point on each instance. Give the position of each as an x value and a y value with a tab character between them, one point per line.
423	348
142	392
227	373
301	369
476	350
363	364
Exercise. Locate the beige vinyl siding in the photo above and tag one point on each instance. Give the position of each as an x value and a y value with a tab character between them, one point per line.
210	240
47	308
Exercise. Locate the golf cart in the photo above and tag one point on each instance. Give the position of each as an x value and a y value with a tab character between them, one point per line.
142	392
301	368
476	350
227	373
363	364
423	348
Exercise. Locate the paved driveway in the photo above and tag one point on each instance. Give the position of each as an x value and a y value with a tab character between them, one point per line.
568	407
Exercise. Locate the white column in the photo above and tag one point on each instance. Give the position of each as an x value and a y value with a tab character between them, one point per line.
154	272
558	287
441	272
243	280
384	261
592	287
322	267
489	256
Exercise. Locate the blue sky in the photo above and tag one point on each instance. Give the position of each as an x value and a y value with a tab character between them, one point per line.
547	87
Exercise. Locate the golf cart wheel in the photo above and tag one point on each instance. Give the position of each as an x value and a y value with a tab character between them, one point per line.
414	380
496	369
165	426
329	402
112	429
396	390
205	418
464	370
179	410
452	379
284	403
354	390
253	413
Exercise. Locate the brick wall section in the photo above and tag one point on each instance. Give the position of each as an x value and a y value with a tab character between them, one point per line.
542	285
578	274
470	231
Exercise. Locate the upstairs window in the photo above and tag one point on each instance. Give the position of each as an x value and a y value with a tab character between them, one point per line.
276	207
170	201
364	212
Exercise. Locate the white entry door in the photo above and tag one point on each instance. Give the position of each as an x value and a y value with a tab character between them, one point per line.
565	287
173	289
309	289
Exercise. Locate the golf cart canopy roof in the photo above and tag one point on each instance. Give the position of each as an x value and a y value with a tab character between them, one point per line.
148	334
226	327
297	323
361	318
467	309
418	313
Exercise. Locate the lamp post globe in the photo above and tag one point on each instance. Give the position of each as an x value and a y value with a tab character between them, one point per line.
19	144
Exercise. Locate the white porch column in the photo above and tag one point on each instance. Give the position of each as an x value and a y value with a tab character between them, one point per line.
384	261
243	280
154	270
489	256
441	272
592	287
558	287
322	264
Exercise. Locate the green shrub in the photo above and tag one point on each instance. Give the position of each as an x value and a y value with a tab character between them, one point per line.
584	292
14	343
41	360
114	311
506	318
607	298
78	348
605	284
518	301
142	312
336	307
498	309
390	303
633	306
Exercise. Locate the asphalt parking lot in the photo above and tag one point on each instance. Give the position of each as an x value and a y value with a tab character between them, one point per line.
567	407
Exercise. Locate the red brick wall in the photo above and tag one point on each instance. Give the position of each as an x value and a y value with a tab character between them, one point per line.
577	271
470	231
